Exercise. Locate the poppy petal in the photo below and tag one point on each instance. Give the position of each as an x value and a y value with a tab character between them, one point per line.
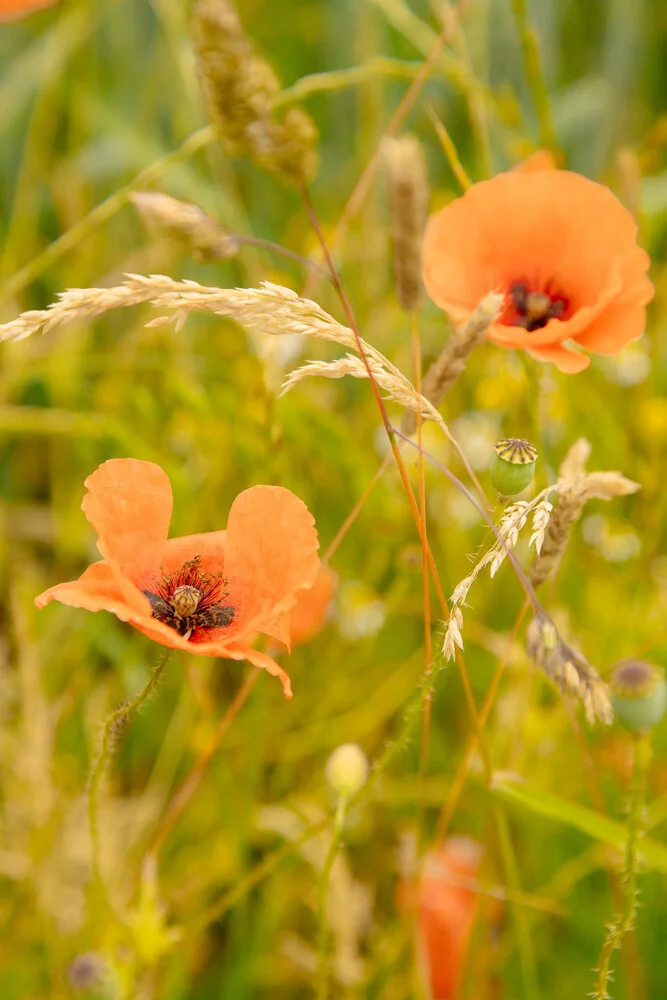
97	590
228	650
556	232
209	547
540	159
623	321
309	614
564	359
271	554
13	10
129	504
259	659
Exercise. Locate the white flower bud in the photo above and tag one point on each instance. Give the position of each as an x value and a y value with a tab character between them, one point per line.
347	770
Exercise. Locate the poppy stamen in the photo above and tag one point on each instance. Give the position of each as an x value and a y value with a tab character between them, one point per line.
190	599
534	309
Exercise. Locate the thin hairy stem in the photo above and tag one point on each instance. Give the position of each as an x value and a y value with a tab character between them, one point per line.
323	890
113	726
625	920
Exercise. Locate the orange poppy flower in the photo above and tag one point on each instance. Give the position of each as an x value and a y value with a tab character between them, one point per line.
207	594
13	10
539	159
446	909
309	614
560	246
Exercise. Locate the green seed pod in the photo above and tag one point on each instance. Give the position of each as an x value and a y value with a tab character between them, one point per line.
638	694
513	466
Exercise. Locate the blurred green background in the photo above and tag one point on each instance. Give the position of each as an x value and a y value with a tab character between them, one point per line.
91	95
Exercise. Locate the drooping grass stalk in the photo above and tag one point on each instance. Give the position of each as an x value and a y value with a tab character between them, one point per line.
106	209
322	985
535	74
523	578
625	920
114	724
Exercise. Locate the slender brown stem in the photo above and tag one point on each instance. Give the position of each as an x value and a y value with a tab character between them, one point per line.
393	434
191	783
426	588
450	803
408	101
356	510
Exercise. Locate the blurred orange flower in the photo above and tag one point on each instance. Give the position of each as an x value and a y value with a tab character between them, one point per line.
309	614
560	246
208	594
446	908
12	10
539	159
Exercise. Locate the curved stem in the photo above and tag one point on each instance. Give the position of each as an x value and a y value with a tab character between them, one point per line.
191	783
113	726
523	578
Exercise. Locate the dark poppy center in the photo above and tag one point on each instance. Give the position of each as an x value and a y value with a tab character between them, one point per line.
190	600
533	309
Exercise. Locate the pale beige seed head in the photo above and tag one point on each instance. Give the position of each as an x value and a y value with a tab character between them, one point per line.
408	204
240	88
568	669
186	225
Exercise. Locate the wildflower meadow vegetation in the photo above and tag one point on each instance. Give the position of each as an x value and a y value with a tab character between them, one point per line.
334	555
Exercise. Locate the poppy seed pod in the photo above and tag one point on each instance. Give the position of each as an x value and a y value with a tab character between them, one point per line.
513	466
347	770
639	694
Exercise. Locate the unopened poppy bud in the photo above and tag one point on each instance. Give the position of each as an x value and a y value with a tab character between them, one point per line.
347	770
639	694
513	466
